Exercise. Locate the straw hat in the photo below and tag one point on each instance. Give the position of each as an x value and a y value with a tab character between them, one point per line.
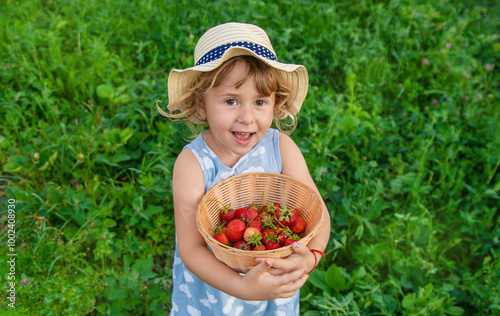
222	42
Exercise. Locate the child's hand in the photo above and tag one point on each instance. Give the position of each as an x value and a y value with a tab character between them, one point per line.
301	258
259	284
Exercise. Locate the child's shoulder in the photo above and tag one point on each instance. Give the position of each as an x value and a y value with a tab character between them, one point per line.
186	161
286	142
290	152
187	173
292	160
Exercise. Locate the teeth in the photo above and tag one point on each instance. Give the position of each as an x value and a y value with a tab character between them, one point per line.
242	135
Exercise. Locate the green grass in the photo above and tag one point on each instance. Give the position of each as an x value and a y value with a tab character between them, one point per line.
400	132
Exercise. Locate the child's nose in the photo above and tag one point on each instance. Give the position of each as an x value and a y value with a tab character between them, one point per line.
247	114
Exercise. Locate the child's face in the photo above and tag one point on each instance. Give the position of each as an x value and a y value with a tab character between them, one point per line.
237	117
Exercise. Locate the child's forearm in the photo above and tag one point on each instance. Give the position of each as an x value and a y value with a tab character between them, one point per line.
320	241
201	262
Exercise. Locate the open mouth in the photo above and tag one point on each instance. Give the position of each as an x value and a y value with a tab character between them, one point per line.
243	139
243	136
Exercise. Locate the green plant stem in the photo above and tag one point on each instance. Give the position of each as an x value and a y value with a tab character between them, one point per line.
43	183
493	172
87	177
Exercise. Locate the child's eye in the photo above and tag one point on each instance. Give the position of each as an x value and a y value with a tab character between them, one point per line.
230	101
260	102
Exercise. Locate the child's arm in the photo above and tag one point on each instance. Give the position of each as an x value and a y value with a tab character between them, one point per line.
294	165
257	284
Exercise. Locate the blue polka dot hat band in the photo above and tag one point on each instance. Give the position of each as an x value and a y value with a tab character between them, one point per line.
217	52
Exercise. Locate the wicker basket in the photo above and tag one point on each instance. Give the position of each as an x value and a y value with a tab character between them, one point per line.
258	187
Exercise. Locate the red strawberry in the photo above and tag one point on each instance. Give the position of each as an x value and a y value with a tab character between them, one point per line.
257	224
299	226
240	213
268	222
283	234
264	208
253	237
281	239
271	244
222	238
254	207
249	232
227	214
268	234
242	245
259	247
290	241
270	207
235	230
220	229
286	216
285	231
250	214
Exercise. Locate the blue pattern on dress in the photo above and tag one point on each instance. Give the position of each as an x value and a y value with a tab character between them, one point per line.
190	295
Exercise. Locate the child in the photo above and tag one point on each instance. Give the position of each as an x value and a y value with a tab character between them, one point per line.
237	88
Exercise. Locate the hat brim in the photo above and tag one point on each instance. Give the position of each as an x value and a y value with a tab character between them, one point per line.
295	76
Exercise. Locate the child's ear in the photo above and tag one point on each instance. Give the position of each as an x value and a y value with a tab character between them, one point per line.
200	109
277	100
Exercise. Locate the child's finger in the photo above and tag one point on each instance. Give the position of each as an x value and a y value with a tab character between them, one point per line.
261	268
300	248
287	295
277	265
275	271
272	270
290	278
283	265
291	288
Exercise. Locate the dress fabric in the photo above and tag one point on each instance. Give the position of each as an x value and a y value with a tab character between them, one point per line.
190	295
